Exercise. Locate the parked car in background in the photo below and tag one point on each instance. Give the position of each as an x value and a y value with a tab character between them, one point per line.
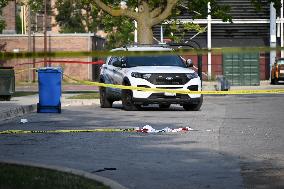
277	71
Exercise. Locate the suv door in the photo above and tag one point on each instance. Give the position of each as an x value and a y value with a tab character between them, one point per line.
118	74
112	74
108	74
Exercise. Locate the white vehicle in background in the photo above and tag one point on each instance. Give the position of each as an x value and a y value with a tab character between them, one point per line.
150	71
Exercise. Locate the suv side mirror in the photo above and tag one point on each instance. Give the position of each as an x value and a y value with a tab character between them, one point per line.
189	63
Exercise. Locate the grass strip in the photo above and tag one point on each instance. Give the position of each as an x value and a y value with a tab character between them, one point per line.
25	177
86	96
23	93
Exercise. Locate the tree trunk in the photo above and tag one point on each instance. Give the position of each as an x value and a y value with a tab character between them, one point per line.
144	32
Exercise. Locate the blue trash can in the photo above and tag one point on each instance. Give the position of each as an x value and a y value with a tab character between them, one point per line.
49	86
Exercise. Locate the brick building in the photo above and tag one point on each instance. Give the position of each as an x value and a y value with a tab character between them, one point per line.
55	42
250	28
9	15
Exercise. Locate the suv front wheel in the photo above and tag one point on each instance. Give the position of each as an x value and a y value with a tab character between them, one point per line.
127	101
194	107
274	81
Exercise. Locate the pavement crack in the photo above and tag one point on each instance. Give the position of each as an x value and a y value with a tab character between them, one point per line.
104	169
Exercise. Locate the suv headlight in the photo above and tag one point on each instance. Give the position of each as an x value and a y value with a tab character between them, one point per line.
141	75
192	75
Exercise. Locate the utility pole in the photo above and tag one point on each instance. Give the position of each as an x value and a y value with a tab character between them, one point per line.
162	34
209	45
272	35
281	26
135	30
23	18
29	28
34	57
44	34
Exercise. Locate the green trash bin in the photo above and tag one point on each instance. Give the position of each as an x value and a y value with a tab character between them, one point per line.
7	83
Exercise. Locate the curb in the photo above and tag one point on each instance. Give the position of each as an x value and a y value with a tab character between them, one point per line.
17	111
26	109
108	182
80	102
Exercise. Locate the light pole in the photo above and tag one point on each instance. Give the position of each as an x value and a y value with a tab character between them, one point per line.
272	35
209	42
281	25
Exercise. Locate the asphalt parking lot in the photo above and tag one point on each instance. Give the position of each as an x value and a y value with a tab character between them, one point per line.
238	143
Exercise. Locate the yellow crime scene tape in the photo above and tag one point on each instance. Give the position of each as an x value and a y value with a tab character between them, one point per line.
24	70
66	131
177	91
101	53
5	55
174	91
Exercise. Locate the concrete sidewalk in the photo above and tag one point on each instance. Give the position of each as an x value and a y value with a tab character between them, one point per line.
33	87
26	104
22	105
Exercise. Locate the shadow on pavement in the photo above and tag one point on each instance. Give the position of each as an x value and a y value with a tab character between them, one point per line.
137	160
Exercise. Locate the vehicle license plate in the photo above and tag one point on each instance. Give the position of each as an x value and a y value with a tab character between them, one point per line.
170	94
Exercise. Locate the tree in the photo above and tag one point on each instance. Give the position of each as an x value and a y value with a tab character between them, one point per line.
153	12
149	14
76	15
82	16
119	30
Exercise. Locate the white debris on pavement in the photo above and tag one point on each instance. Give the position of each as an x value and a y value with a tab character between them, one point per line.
24	121
150	129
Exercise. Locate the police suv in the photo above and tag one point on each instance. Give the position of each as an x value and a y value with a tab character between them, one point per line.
149	71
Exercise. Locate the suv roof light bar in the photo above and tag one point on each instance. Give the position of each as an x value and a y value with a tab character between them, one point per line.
147	45
191	44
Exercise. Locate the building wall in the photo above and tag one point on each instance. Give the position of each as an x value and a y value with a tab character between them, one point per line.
232	34
217	64
59	42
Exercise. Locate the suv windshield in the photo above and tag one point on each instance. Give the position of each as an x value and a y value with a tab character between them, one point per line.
167	60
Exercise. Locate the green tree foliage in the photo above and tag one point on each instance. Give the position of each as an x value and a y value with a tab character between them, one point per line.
117	20
258	4
119	29
153	12
2	24
82	16
198	8
3	3
69	16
